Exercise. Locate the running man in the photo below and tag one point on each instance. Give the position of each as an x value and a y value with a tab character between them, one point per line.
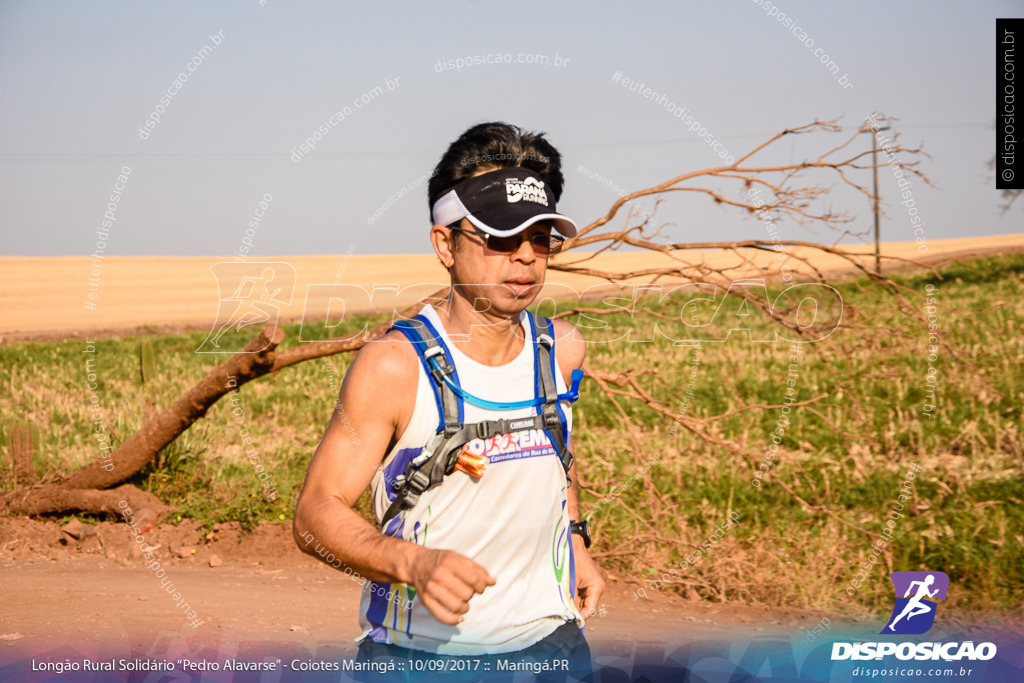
250	311
916	604
460	426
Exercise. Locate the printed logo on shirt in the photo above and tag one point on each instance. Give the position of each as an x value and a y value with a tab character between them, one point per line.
529	443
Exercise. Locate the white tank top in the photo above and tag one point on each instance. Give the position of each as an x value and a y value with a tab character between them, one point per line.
512	521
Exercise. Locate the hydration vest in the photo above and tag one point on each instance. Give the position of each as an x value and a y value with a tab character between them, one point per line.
441	454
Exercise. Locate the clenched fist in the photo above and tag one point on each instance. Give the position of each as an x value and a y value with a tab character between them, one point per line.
446	581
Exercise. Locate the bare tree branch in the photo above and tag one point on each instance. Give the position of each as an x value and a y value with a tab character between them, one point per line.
794	190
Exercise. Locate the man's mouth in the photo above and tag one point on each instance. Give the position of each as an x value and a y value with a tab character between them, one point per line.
520	286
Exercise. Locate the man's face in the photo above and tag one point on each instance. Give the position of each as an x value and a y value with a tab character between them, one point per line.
501	281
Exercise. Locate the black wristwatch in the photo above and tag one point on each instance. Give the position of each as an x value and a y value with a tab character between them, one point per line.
583	529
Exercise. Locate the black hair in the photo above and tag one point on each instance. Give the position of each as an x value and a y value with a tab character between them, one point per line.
495	145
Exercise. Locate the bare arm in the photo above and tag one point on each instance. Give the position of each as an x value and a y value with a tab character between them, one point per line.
589	581
375	405
570	351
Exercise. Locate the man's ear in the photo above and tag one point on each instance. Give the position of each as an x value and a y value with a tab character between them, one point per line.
441	238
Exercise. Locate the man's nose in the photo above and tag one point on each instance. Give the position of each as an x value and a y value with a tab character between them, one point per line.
524	252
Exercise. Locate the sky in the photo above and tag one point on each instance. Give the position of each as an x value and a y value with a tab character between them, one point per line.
80	81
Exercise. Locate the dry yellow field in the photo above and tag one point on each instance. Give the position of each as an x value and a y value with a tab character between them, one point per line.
50	296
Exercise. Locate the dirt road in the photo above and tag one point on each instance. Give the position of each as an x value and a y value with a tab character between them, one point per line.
92	599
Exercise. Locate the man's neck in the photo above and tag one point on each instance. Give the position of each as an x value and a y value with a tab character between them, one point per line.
482	335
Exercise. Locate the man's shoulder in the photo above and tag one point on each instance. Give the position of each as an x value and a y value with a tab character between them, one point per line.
565	330
389	358
570	347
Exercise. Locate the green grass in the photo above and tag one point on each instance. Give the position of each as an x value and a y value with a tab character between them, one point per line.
845	455
965	517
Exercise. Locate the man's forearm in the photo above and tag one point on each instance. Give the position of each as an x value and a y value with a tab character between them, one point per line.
334	528
572	495
572	504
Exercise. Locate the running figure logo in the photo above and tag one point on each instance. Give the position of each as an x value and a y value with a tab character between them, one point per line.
916	596
251	295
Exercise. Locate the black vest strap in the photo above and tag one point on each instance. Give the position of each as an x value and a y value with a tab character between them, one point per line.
555	423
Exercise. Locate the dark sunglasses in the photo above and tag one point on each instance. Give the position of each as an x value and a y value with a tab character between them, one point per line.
541	243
